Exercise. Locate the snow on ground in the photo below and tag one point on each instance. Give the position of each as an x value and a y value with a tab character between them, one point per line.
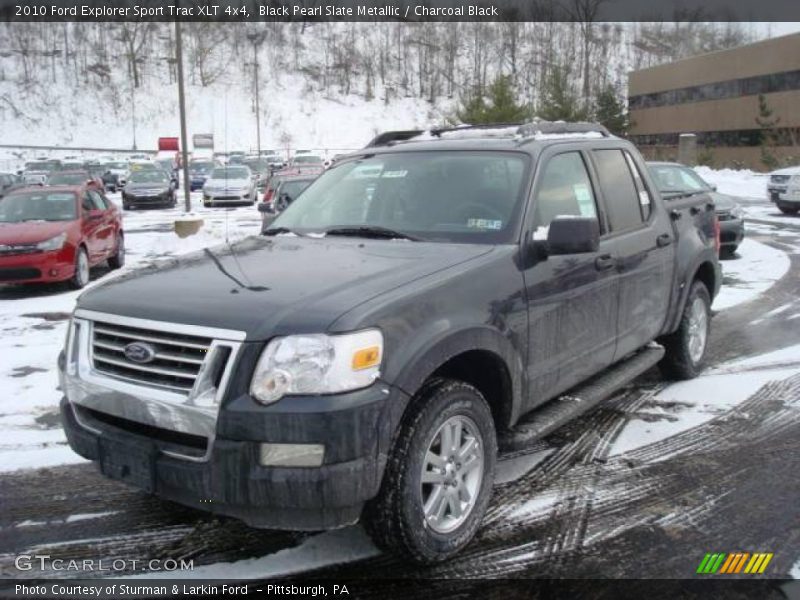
688	404
743	183
752	273
33	325
795	572
317	551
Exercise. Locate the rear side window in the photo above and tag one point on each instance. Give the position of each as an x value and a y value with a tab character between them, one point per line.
565	190
619	190
641	189
86	202
97	201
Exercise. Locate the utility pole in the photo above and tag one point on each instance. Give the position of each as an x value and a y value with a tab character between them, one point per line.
182	104
133	113
257	38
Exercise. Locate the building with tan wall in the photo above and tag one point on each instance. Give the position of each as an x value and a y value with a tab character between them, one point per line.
715	96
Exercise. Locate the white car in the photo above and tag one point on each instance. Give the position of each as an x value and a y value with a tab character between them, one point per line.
229	185
784	189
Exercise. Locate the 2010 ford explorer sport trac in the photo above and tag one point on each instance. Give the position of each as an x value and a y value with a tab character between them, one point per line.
417	306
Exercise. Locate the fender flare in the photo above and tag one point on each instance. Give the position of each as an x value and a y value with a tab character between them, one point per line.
685	285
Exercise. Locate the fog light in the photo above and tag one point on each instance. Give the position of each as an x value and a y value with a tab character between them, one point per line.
291	455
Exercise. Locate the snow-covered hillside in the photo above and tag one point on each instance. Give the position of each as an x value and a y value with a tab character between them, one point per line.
292	115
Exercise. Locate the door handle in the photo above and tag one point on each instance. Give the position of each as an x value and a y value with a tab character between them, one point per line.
604	263
663	240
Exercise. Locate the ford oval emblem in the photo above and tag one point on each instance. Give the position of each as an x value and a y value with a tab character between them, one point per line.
139	352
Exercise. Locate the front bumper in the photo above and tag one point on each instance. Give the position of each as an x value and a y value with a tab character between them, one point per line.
149	200
222	473
731	232
789	193
228	197
38	267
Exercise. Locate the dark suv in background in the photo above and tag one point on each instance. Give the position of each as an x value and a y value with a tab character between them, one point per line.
417	306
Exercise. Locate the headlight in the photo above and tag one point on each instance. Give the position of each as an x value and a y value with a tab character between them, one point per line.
55	243
317	364
796	179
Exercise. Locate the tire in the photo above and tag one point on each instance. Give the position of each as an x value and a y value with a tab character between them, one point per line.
395	519
788	209
727	251
81	276
683	359
118	260
126	206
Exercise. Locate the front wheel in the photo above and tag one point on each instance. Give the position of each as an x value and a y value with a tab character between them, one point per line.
686	347
439	476
788	209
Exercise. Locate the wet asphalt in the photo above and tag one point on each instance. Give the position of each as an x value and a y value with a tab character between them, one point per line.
728	485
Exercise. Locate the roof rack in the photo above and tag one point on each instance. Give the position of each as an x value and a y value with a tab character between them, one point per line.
387	137
438	132
559	127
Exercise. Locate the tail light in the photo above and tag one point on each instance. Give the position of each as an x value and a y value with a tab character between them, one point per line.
268	195
717	242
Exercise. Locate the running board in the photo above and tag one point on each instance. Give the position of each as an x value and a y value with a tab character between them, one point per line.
556	413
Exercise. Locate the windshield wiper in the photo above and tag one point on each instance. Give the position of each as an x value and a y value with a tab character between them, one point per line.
371	232
278	230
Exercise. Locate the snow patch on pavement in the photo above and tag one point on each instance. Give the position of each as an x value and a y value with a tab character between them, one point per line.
329	548
689	404
756	269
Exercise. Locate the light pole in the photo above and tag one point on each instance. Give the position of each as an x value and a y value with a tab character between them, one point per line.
257	38
182	107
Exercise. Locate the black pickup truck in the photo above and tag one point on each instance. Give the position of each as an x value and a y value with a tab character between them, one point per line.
421	306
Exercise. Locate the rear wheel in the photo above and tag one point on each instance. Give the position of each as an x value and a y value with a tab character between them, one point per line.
439	477
116	261
788	209
686	347
727	251
81	276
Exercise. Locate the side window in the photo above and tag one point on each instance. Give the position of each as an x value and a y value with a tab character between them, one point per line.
97	201
645	204
565	190
86	202
619	190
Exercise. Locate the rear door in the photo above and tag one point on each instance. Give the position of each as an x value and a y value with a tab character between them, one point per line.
105	230
572	299
644	247
91	226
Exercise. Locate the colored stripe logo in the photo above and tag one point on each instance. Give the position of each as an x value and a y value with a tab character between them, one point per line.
737	562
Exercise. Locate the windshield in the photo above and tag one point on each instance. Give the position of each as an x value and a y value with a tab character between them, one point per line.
307	158
231	173
68	179
17	208
471	197
149	177
256	164
201	166
676	179
116	165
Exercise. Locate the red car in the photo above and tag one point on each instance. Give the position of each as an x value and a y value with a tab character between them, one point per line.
57	233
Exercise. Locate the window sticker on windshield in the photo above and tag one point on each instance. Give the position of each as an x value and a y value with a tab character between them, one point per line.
644	198
484	224
584	198
394	174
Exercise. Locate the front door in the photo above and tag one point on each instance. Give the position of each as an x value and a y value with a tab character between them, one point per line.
572	299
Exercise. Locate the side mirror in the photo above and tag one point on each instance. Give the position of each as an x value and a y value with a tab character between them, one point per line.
263	207
713	188
568	235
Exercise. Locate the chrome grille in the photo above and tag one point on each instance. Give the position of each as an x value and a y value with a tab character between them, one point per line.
780	178
175	365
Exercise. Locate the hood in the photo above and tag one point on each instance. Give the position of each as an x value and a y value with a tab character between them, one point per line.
233	184
722	202
273	285
787	171
31	232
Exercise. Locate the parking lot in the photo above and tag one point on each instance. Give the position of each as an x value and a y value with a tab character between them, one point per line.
637	488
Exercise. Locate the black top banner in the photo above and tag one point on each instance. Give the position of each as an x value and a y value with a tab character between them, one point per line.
401	10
